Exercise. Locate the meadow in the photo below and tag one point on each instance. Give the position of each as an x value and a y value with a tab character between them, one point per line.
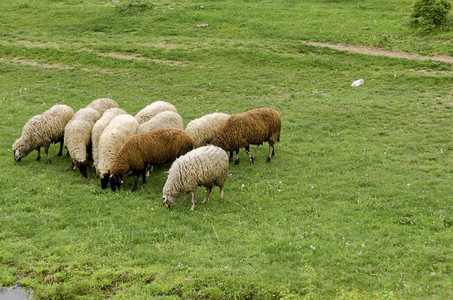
356	204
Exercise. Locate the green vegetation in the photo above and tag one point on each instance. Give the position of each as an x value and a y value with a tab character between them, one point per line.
430	15
356	203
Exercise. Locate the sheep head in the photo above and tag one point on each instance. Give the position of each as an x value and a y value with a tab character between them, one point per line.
82	166
115	182
168	201
17	155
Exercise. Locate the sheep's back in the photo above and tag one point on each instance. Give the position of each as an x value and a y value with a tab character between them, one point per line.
102	104
204	129
163	120
153	109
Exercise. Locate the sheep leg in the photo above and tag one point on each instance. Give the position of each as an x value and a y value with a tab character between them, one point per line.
47	154
38	158
144	176
221	194
231	155
135	182
61	148
247	150
237	157
192	208
271	152
149	168
206	198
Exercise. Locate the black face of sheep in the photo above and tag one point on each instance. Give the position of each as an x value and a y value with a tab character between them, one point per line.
115	182
82	166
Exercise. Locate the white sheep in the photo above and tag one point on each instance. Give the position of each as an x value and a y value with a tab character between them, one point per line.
42	130
205	166
119	129
102	104
163	120
77	137
99	127
153	109
204	129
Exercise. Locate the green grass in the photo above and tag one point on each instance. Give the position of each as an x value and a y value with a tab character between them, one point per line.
355	204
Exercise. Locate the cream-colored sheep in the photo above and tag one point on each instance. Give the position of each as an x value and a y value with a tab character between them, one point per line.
119	129
99	127
43	130
163	120
205	166
153	109
77	137
102	104
205	128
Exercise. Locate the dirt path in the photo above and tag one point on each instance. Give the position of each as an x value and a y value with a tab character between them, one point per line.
381	52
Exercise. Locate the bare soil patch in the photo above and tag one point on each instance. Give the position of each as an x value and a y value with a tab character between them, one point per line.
380	52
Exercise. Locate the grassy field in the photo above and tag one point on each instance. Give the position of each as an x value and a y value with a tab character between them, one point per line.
356	204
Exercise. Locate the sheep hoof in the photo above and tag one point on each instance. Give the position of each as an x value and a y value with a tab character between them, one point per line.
252	160
236	162
134	190
268	160
48	161
192	208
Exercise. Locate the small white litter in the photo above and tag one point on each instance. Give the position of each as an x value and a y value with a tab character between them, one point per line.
357	83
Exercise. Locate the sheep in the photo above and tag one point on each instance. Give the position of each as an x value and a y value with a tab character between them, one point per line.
99	127
150	148
204	129
163	120
77	137
153	109
42	130
252	127
102	104
119	129
205	166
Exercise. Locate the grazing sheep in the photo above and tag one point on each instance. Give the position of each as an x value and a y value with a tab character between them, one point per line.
163	120
102	104
204	129
205	166
42	130
119	129
150	148
153	109
77	137
252	127
99	127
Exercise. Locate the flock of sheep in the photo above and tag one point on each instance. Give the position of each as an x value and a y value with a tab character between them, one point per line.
120	144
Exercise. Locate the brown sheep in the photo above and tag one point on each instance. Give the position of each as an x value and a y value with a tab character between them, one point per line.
151	148
252	127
